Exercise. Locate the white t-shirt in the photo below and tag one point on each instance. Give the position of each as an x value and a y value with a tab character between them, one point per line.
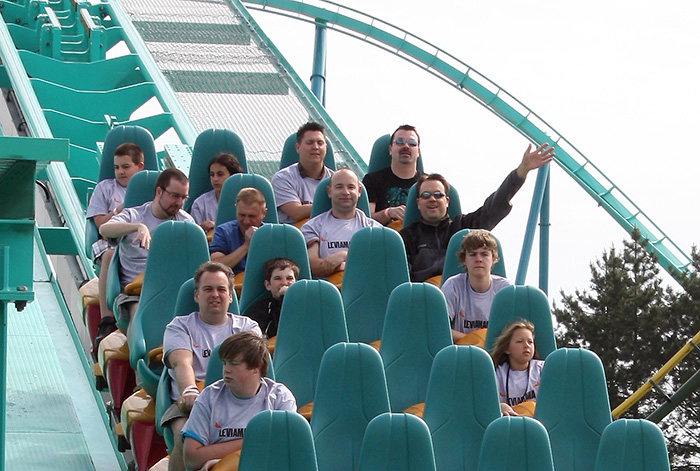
289	186
107	196
219	416
191	333
515	386
334	234
469	310
132	258
204	207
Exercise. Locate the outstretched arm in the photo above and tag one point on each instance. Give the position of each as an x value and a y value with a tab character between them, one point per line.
534	159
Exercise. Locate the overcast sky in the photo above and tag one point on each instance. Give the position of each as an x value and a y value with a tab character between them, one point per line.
618	79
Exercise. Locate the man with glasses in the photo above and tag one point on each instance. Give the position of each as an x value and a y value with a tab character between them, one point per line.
135	225
426	240
387	189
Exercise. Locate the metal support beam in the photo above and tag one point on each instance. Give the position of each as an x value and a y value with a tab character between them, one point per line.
544	239
535	206
318	74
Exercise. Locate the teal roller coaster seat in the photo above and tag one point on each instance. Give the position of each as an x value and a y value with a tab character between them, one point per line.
350	392
376	264
397	442
166	270
276	440
416	328
515	444
461	402
572	403
209	143
229	191
632	445
311	321
522	302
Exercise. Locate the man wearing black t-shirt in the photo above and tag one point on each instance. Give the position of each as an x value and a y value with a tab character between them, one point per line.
387	189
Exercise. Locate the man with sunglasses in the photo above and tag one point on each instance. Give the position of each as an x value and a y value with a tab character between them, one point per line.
135	225
387	189
426	240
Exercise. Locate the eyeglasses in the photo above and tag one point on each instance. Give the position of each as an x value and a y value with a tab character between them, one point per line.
425	195
400	141
176	196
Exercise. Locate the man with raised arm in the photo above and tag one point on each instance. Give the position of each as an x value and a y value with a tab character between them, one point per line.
426	240
295	186
328	234
188	342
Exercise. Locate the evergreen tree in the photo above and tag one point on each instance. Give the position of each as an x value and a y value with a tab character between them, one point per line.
635	325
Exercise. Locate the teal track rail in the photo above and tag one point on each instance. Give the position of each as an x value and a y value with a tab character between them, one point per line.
472	83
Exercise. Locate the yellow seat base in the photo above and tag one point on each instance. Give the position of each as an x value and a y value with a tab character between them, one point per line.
139	407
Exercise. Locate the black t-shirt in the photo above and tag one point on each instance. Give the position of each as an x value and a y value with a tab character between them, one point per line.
387	190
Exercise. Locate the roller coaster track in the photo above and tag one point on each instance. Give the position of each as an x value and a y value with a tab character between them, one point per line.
475	85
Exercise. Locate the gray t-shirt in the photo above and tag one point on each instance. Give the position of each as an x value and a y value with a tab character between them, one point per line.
469	310
219	416
108	195
204	207
132	258
289	186
521	386
191	333
334	234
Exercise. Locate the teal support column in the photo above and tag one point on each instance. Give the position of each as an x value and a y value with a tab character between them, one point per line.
318	74
544	239
542	175
20	158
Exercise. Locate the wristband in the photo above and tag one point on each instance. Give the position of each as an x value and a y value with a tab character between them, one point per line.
386	214
191	389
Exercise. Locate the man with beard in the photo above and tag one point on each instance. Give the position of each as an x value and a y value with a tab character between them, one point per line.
135	225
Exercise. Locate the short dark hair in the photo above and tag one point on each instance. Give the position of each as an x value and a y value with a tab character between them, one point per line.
250	346
404	127
169	174
213	267
278	264
227	160
433	176
130	149
310	126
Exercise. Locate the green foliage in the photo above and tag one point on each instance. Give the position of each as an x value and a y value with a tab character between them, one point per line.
635	325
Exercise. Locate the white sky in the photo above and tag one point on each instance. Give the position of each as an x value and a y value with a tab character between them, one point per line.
619	80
